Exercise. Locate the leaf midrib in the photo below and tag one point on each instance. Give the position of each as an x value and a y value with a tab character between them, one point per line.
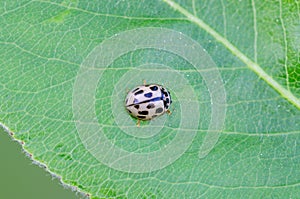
234	50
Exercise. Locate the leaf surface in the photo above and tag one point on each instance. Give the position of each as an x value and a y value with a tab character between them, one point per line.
232	68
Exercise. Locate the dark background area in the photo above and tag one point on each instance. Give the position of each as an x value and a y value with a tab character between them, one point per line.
19	178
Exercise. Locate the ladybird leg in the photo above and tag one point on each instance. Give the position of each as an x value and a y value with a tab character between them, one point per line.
169	112
144	82
138	123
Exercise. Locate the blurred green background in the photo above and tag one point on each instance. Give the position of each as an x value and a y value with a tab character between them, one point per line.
19	178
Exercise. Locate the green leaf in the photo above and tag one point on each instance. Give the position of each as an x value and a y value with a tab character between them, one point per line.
232	68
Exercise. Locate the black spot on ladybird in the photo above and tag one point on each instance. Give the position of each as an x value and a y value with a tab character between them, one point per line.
138	92
143	112
167	100
154	88
136	106
159	110
149	106
165	104
141	117
129	111
148	95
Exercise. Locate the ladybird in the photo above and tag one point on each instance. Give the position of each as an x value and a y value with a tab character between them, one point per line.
148	101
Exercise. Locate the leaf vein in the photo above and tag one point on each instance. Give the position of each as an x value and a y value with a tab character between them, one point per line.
254	30
285	45
251	65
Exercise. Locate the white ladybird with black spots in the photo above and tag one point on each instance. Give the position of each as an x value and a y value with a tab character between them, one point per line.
146	102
